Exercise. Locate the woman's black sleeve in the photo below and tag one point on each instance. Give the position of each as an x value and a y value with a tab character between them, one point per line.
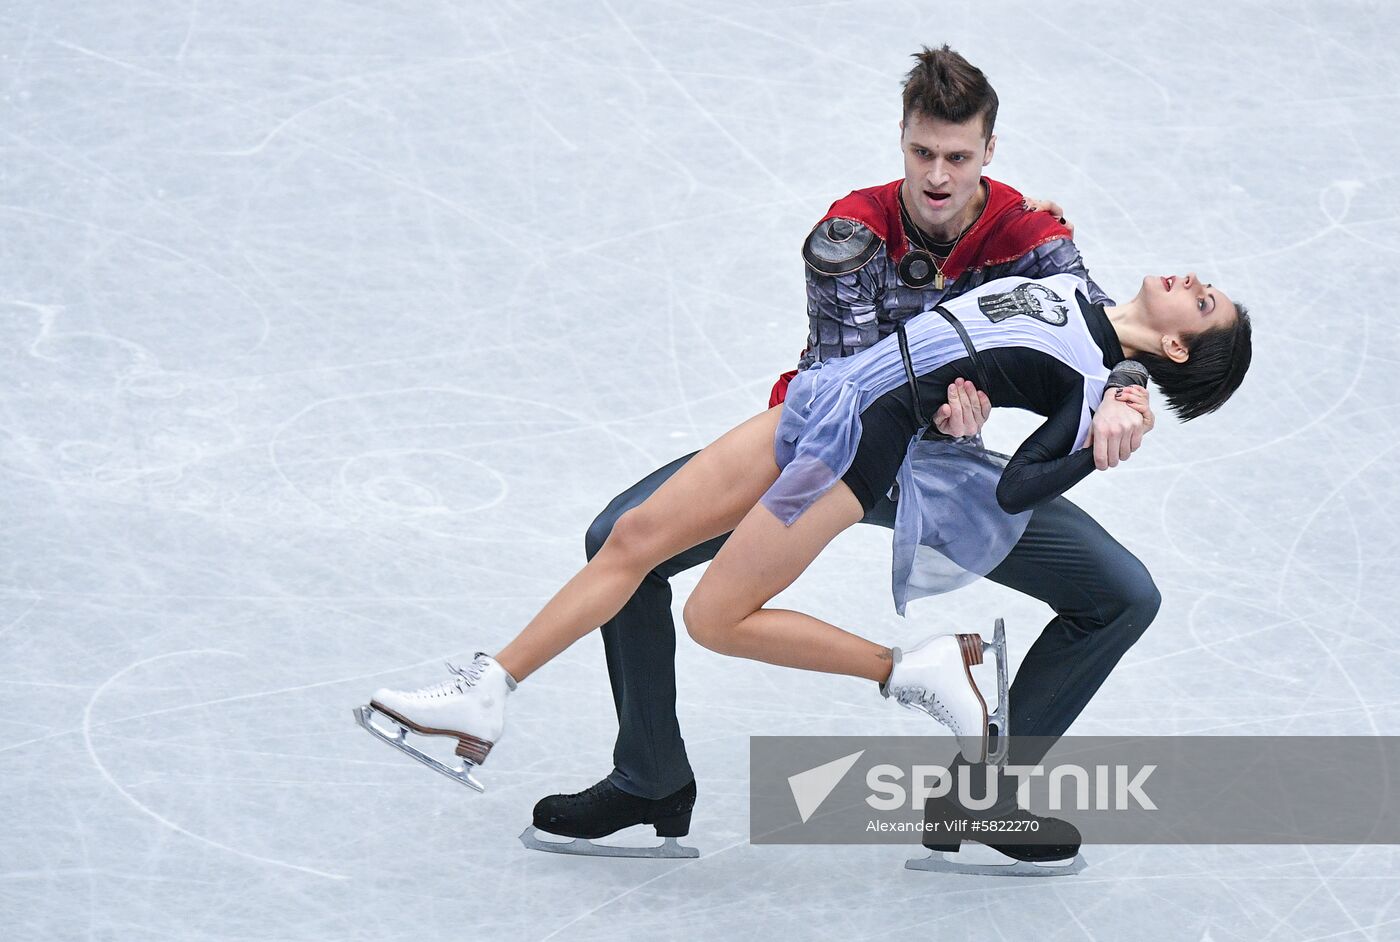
1043	467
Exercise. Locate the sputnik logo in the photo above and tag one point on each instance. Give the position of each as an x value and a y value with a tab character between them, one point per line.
812	787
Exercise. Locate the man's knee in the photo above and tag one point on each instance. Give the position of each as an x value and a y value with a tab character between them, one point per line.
599	531
1136	601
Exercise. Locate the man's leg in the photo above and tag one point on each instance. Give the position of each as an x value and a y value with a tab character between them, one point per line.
1103	598
640	643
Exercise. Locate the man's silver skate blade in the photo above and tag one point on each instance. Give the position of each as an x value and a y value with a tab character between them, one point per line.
997	754
669	847
937	862
399	740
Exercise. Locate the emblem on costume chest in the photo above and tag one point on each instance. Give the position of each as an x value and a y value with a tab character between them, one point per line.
1027	300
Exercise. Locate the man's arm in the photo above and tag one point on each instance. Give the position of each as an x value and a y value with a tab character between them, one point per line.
842	296
842	312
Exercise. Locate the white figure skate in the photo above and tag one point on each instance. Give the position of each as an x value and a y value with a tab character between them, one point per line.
936	677
470	706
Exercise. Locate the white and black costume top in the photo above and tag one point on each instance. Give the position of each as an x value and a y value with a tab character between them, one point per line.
1040	345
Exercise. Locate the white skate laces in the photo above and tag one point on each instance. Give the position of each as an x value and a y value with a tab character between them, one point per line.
462	679
917	698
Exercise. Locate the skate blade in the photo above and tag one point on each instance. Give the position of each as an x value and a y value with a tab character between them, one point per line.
398	738
937	862
669	848
997	752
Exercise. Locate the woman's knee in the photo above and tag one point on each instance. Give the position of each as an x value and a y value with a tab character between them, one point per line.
706	624
629	500
633	538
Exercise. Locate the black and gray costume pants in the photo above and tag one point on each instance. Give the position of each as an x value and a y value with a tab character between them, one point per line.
1102	596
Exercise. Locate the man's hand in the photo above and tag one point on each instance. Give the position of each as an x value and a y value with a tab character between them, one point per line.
1123	418
1051	207
965	412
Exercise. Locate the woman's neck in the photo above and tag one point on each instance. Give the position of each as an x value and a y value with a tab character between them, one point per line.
1134	336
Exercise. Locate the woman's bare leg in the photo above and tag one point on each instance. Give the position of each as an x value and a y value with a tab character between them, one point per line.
762	558
703	500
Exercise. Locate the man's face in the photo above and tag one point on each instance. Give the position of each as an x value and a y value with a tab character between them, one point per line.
942	166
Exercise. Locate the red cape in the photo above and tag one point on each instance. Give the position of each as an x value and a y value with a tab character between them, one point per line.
1005	231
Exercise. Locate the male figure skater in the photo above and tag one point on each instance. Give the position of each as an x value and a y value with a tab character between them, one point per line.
880	256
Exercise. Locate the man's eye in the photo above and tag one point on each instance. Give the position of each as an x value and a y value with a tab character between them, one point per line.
1200	304
957	158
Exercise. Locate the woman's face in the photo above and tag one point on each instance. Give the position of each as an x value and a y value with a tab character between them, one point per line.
1181	306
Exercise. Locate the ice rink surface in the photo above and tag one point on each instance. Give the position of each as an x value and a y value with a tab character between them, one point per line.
329	327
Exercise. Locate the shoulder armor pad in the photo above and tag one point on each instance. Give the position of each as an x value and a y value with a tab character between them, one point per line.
840	246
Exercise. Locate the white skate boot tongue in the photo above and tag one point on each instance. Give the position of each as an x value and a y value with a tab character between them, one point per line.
471	673
481	664
463	676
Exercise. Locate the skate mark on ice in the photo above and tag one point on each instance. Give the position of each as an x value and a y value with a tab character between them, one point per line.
102	769
632	889
87	225
581	422
285	123
709	116
14	622
1098	50
342	153
435	659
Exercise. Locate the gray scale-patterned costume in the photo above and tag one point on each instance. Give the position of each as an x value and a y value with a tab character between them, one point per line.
855	296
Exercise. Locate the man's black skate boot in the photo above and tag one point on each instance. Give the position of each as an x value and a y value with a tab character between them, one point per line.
1004	827
1020	834
604	809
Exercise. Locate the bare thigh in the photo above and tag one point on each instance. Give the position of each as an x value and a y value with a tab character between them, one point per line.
764	557
710	494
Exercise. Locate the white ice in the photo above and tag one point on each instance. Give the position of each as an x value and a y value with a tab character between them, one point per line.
328	327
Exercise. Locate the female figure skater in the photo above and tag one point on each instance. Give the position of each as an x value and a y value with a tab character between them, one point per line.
790	479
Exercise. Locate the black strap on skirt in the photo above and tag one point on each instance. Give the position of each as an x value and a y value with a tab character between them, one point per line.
982	383
909	373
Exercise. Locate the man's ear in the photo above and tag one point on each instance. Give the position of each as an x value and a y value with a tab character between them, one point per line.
991	149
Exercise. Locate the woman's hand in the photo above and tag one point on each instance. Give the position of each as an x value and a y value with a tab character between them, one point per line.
1051	207
965	412
1136	396
1119	424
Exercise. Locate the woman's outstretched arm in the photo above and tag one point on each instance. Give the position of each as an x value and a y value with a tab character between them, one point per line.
1045	466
